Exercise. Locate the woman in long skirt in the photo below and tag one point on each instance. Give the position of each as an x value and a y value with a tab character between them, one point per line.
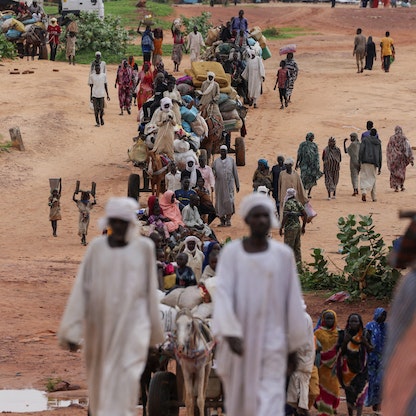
399	155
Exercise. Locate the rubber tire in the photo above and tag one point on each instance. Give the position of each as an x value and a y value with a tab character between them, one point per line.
162	388
134	186
240	151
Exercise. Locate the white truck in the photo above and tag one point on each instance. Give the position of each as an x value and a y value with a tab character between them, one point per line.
77	6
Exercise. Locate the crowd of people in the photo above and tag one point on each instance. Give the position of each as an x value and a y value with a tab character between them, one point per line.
261	328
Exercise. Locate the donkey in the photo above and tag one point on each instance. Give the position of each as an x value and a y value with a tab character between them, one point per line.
159	170
194	345
212	143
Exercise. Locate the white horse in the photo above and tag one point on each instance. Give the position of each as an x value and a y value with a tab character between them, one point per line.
194	344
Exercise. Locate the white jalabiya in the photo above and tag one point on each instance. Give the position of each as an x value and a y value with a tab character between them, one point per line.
368	176
114	307
298	389
257	298
194	45
253	73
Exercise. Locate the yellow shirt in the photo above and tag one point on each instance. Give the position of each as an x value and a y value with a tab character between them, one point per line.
386	46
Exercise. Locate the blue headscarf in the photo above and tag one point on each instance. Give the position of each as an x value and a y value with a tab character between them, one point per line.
263	162
378	331
207	253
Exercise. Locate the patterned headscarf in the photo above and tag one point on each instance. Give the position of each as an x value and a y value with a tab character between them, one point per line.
310	135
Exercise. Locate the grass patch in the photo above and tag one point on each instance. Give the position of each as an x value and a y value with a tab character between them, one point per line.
130	17
51	9
51	384
4	147
285	32
125	9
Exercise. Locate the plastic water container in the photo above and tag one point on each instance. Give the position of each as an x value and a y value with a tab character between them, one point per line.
265	53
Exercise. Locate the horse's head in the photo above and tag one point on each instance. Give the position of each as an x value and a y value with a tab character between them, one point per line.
184	329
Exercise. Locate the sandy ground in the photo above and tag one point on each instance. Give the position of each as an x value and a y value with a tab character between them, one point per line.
51	107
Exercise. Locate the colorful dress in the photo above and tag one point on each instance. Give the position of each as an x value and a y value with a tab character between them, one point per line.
352	370
145	89
328	399
378	332
399	155
124	81
177	48
55	208
308	159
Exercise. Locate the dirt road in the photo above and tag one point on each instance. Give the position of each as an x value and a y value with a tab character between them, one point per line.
51	107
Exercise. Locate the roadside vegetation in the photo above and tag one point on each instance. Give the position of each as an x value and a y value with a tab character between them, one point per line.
365	272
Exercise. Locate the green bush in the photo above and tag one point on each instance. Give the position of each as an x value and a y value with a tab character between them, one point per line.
202	22
95	34
7	48
366	271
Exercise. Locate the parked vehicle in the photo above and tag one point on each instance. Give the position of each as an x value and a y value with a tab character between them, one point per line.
77	6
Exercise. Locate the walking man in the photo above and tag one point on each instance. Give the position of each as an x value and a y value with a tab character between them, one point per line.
370	161
387	51
226	176
98	84
194	44
258	315
353	151
113	311
359	50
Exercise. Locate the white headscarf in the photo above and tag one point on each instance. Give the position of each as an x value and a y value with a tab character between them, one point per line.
224	147
256	199
165	101
263	189
192	170
289	161
122	208
197	244
211	83
290	193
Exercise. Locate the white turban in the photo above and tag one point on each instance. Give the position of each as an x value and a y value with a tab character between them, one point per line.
165	101
224	147
262	189
289	161
210	74
290	193
122	208
259	199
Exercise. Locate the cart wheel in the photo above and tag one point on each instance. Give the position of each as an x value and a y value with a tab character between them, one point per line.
133	186
240	151
163	395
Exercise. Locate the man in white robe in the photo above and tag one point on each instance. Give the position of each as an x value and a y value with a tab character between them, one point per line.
254	74
113	311
194	44
298	388
226	176
258	315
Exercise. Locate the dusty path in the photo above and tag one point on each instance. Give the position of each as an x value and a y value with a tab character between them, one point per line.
52	110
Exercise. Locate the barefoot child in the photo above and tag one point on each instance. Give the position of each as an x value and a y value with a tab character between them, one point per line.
84	206
55	210
282	80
